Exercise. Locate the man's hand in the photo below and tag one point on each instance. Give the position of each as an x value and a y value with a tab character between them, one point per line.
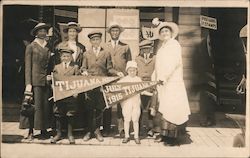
48	77
28	88
85	73
160	82
120	74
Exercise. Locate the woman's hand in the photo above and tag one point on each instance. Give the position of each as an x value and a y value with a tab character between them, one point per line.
75	95
160	82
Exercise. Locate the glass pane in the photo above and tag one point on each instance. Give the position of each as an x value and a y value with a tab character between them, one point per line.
91	17
125	17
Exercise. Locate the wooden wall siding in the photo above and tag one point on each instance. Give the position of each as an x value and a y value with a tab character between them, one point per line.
190	37
147	15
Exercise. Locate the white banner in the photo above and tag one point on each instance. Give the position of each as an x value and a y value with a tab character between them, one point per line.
208	22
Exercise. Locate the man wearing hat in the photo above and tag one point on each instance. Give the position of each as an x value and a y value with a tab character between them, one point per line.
120	54
96	62
146	63
66	108
37	57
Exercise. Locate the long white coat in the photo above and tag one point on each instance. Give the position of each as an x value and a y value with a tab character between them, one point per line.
173	101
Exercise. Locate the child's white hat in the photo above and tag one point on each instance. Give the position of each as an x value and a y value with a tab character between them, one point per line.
131	64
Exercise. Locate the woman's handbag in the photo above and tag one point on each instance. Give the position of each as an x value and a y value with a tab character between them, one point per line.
27	106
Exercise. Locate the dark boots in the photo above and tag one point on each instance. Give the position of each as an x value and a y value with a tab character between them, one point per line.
70	130
58	131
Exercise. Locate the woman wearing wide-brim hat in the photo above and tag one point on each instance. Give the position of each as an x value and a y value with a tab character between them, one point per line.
72	30
173	101
37	56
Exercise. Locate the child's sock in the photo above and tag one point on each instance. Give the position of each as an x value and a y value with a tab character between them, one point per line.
136	129
126	128
70	128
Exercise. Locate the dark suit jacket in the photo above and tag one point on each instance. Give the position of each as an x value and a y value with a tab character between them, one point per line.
145	68
36	64
120	55
80	51
97	66
70	71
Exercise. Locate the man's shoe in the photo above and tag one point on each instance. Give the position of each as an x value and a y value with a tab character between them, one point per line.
87	137
44	135
98	135
122	134
158	139
125	140
30	137
207	124
106	133
55	139
150	133
137	141
210	123
71	140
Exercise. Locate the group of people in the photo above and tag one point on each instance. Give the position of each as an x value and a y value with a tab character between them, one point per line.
168	101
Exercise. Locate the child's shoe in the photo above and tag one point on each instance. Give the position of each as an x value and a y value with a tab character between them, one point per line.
137	141
125	140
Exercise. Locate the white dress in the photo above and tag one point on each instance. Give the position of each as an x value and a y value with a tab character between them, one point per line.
173	101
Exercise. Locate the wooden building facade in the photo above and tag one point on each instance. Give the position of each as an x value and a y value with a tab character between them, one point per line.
229	56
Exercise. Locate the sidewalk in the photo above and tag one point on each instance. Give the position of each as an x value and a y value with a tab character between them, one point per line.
214	141
220	135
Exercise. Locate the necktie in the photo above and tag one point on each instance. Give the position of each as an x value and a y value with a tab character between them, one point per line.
65	65
145	57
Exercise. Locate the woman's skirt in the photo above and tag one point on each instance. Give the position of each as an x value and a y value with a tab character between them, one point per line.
171	130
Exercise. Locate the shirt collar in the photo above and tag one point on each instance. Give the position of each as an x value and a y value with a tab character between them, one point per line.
113	42
67	63
98	49
72	42
38	42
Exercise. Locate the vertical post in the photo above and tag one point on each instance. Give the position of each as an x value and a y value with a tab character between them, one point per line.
40	14
105	99
176	16
53	88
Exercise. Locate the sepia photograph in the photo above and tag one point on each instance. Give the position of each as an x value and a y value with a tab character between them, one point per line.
109	78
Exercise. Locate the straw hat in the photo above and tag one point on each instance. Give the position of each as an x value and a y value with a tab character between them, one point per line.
243	31
73	25
114	25
94	34
173	26
146	44
38	27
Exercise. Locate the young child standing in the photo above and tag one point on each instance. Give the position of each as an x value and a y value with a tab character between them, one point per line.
131	108
67	107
